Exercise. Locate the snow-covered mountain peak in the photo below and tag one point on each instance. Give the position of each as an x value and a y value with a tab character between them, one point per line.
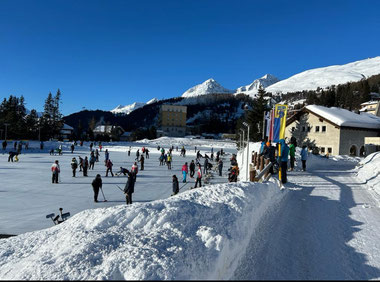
210	86
327	76
120	109
252	89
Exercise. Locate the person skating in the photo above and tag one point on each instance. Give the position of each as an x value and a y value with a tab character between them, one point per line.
92	160
192	168
122	171
72	148
129	188
134	171
96	184
109	165
106	157
220	167
292	154
91	145
161	159
96	155
11	156
137	154
199	177
74	165
175	185
129	151
169	161
142	159
85	166
55	169
146	153
19	147
15	145
304	157
80	163
185	171
5	145
205	166
283	160
41	145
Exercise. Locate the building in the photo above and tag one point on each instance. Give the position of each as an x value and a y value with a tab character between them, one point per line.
172	121
66	131
334	130
371	107
107	130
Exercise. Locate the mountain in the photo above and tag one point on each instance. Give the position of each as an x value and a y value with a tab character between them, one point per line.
327	76
130	108
253	88
210	86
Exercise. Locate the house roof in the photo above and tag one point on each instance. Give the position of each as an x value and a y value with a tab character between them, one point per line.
341	117
66	126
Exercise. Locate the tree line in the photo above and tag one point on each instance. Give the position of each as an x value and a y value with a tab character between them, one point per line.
18	123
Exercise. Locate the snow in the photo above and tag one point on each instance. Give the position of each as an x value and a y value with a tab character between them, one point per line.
130	108
324	225
210	86
252	89
327	76
369	171
344	117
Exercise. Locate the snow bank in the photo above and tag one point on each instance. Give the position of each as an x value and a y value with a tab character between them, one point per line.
369	171
198	234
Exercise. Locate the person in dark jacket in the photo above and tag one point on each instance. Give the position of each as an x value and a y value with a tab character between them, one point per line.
11	156
109	165
5	145
72	148
92	160
220	167
74	165
192	168
129	188
96	184
85	166
142	159
175	185
205	166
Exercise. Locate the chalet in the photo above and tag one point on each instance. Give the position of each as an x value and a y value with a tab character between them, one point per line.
334	130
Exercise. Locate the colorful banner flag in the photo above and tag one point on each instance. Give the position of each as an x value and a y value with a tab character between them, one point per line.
279	123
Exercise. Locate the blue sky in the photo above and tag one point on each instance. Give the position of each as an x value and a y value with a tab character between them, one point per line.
105	53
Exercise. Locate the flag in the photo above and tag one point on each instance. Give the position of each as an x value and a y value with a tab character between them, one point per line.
270	136
267	122
279	123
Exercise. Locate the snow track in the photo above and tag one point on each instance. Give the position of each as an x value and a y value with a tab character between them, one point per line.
326	227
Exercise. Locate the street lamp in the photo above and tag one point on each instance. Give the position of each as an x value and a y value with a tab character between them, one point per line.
242	146
246	173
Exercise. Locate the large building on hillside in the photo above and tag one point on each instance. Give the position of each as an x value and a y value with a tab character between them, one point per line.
371	107
172	121
334	130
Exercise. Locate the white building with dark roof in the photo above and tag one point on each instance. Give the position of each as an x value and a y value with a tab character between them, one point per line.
335	131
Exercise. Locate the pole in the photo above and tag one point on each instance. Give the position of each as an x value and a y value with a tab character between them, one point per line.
264	126
243	147
246	173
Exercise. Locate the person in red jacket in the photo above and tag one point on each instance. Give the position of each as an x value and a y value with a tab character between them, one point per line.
55	169
199	177
185	171
109	165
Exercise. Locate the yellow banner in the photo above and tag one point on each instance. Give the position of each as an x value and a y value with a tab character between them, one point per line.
283	122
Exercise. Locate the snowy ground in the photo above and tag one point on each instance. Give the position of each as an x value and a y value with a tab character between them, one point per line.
27	194
324	225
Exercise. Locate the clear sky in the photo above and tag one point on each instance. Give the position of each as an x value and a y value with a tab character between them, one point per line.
105	53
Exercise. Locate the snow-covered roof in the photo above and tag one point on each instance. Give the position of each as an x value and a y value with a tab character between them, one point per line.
67	127
342	117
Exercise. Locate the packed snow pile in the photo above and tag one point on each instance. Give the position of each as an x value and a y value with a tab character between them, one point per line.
327	76
369	171
197	234
210	86
253	88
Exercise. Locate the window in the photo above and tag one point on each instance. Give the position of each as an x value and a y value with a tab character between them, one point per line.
308	129
303	129
329	150
317	129
293	128
322	149
324	128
